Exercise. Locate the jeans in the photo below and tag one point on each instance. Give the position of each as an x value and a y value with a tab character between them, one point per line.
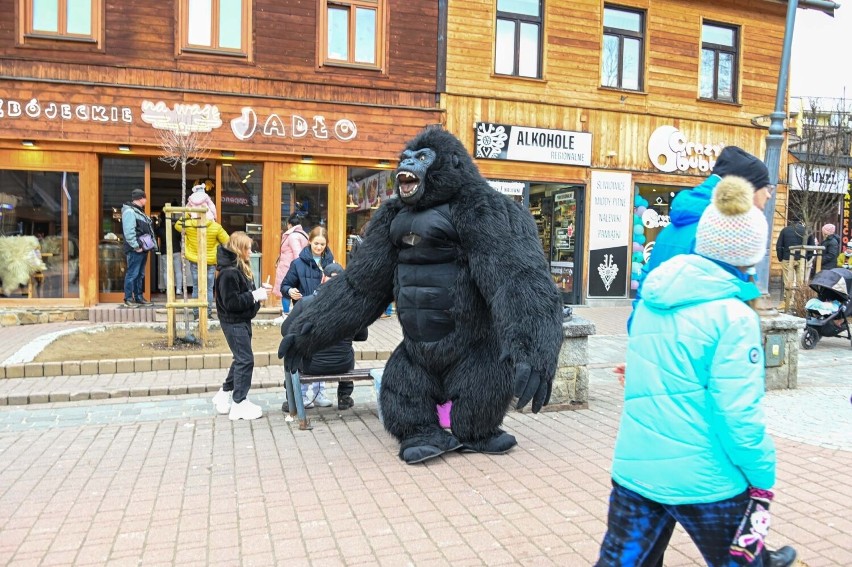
134	276
238	336
161	281
211	272
639	529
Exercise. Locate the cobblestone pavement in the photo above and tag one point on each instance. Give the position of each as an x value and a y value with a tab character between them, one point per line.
162	481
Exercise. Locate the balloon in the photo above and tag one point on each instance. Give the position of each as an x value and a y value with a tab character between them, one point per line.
639	238
638	258
637	218
640	210
638	229
634	284
638	247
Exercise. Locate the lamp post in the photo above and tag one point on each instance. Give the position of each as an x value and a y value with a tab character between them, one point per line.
775	138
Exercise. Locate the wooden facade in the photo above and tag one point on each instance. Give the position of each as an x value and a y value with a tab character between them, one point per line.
277	104
569	97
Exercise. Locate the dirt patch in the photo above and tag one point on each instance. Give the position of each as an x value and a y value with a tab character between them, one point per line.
117	342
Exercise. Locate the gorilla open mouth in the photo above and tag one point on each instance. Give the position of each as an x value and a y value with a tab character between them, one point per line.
408	183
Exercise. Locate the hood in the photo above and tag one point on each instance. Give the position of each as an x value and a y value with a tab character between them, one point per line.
195	223
688	205
689	279
225	258
307	255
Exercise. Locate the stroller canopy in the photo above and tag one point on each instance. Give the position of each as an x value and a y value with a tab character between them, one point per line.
835	283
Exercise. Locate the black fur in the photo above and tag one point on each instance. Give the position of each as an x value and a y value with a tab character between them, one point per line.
506	313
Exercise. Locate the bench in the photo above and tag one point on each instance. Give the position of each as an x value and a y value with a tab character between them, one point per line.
293	383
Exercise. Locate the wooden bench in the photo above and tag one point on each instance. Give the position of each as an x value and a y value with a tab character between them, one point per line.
293	383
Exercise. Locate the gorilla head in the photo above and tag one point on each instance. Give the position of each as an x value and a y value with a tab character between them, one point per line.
432	168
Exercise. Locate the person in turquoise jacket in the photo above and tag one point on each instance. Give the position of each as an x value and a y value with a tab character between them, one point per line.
692	441
679	236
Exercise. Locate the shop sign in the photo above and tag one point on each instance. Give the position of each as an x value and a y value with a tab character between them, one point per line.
670	150
83	112
247	124
511	188
519	143
822	179
610	218
183	119
847	217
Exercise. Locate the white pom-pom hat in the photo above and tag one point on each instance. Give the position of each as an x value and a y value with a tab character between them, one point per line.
732	229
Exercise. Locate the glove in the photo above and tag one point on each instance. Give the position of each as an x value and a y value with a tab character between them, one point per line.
530	386
259	294
294	359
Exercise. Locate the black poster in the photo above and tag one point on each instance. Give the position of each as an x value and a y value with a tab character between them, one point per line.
608	272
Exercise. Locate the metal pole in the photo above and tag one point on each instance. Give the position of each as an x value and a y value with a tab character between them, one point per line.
775	139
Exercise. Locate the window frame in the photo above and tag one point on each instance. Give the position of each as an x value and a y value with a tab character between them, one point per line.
27	33
380	6
186	48
517	19
621	34
718	49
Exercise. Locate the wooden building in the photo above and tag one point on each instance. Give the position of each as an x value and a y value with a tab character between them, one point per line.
300	106
597	113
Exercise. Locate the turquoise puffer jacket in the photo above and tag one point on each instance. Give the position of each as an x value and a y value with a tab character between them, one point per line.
692	427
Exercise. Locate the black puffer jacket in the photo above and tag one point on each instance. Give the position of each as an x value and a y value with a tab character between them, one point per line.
234	301
792	236
832	250
336	359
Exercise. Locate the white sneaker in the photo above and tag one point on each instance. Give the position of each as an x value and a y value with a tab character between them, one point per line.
280	319
244	410
322	401
308	401
222	401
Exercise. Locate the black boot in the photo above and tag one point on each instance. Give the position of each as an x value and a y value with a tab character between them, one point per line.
345	402
783	557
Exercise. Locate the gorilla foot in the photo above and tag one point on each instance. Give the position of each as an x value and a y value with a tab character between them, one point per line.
497	445
422	448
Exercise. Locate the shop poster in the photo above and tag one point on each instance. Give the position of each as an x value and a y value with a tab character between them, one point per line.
610	215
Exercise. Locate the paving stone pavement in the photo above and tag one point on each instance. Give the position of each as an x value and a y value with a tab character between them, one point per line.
162	481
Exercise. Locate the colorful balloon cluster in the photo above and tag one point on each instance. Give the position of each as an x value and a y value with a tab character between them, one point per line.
640	204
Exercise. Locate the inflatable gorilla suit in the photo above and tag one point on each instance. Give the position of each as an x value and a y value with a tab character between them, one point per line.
480	315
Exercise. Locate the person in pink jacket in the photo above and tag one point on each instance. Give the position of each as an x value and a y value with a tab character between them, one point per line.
293	240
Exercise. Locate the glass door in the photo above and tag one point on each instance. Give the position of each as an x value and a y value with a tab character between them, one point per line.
119	176
242	206
566	249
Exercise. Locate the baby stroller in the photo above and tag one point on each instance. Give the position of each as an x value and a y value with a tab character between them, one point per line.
828	313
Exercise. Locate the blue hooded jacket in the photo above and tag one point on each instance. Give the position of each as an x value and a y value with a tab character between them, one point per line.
679	236
692	430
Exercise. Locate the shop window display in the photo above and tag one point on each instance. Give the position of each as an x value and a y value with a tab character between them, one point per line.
39	231
650	215
366	190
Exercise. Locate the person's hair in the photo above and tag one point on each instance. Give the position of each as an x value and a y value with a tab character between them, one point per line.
363	231
295	219
318	231
238	242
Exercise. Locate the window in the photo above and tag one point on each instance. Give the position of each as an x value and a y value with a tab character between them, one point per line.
518	49
63	19
352	32
623	47
216	25
719	45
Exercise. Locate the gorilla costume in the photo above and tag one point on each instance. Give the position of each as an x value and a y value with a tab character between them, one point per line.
480	315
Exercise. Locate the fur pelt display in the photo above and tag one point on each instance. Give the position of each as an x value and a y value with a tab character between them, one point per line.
20	258
481	317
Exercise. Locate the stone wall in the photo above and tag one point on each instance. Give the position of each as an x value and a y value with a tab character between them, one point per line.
571	385
31	316
786	328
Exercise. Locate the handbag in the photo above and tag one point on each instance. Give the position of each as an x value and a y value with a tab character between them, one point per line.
146	241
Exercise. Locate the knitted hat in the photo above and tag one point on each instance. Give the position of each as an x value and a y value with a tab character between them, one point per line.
828	229
333	269
199	187
137	194
736	161
732	229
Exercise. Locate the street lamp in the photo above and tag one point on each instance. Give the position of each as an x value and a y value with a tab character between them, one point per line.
775	138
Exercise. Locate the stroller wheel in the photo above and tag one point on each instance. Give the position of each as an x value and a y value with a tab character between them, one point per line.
810	338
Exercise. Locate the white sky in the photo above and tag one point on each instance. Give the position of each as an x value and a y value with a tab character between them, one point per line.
822	51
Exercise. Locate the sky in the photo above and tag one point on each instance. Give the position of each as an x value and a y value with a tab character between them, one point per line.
822	51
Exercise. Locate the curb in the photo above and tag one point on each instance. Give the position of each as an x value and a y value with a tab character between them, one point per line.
148	364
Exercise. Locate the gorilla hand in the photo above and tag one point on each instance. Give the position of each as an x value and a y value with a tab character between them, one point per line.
531	385
293	348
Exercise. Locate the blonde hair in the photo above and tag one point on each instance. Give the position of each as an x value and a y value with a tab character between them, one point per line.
239	242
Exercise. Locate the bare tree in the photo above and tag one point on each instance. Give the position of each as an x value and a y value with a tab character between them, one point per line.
822	149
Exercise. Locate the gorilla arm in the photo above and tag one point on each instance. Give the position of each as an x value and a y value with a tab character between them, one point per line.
348	302
508	265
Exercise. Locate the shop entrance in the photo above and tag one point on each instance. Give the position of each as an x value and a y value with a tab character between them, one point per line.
558	213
